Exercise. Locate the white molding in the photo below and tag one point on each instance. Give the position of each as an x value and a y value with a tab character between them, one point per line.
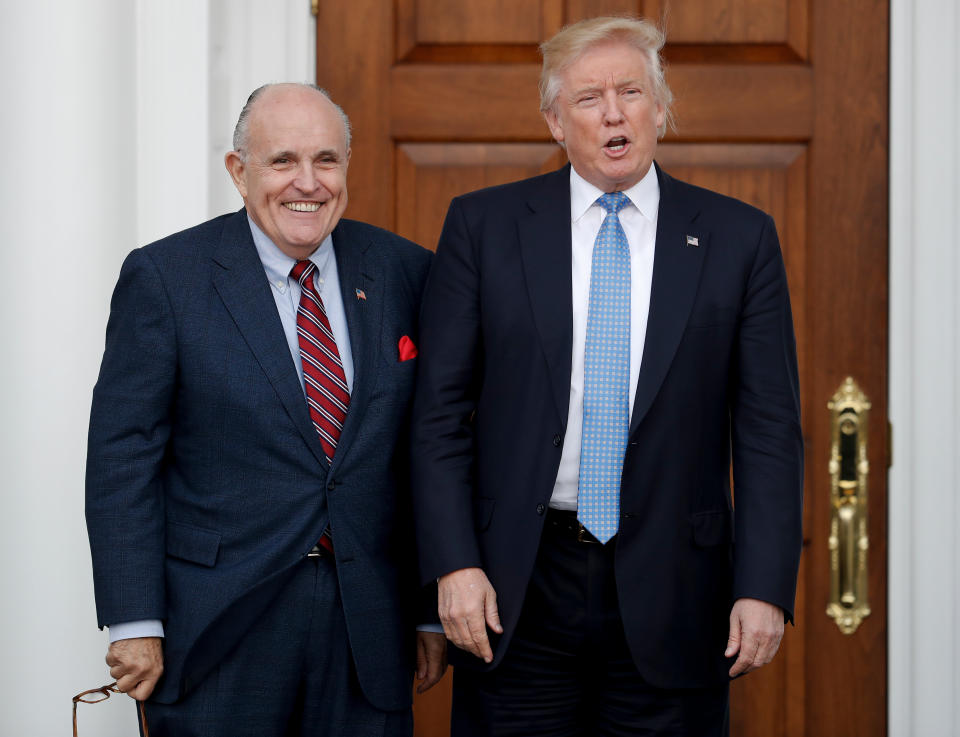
924	512
252	42
172	92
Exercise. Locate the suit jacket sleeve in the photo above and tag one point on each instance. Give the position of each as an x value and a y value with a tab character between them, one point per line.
447	380
130	425
766	435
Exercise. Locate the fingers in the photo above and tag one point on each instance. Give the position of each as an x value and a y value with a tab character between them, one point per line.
733	641
491	613
421	659
756	629
136	687
477	641
466	603
136	665
433	647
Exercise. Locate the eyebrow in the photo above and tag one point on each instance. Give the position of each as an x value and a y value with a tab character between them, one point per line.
632	82
331	153
328	153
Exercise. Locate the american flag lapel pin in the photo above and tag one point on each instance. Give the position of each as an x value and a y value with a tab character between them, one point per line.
692	240
361	294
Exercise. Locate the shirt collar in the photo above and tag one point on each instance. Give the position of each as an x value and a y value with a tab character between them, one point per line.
645	195
277	264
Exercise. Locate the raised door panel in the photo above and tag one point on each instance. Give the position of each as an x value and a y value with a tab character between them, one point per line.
491	22
431	102
752	27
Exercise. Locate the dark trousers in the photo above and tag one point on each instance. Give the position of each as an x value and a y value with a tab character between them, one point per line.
567	671
291	675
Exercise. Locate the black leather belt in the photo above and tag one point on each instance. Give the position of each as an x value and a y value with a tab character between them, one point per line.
564	523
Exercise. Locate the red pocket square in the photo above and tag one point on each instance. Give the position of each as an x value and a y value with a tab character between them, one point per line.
407	349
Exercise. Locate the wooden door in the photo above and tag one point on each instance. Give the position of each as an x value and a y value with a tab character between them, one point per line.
782	103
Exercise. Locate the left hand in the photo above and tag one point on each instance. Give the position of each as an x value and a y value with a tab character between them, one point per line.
431	659
756	628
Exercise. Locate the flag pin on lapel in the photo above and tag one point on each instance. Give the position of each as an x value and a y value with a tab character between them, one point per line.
692	240
361	294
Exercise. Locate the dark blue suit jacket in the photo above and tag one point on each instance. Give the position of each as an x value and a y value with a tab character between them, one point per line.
718	381
206	482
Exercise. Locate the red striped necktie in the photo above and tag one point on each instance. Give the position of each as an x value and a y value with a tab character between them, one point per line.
326	385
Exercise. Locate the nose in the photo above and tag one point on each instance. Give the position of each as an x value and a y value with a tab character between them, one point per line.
612	112
306	180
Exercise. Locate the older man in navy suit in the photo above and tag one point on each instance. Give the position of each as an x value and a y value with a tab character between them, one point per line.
247	500
597	345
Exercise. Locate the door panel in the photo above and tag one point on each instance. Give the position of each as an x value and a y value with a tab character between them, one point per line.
782	103
428	172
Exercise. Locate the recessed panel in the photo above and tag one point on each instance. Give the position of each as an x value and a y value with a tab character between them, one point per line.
434	30
429	175
731	21
492	21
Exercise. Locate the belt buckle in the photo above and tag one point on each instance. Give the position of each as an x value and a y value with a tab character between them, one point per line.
315	552
582	533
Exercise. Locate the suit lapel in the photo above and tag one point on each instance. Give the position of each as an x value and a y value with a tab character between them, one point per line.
545	249
242	285
676	276
359	268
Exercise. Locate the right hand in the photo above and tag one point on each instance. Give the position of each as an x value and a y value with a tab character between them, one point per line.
136	665
467	605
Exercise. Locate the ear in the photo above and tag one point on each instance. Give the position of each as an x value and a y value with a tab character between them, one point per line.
661	115
346	161
238	170
553	122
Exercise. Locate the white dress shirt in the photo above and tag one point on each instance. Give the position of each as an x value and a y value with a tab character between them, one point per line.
286	294
639	222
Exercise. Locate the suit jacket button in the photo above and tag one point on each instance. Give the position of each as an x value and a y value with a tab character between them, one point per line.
540	509
330	486
557	441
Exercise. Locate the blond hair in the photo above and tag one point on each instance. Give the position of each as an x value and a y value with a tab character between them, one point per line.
571	42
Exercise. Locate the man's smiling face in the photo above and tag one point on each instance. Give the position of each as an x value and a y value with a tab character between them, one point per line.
607	116
292	174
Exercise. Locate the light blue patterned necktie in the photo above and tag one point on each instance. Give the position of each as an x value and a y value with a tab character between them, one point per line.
606	376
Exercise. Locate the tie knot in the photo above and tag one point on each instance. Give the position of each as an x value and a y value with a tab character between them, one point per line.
302	270
613	202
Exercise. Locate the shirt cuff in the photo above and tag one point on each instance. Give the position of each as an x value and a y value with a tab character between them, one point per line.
138	628
435	628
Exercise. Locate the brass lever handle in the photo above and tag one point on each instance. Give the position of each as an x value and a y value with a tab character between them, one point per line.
849	540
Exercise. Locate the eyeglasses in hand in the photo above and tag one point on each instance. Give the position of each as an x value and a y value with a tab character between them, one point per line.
96	695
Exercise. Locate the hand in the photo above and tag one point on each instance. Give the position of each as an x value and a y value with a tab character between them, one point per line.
756	628
467	606
431	659
136	665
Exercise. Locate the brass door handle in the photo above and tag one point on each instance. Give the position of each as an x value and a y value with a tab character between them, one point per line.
849	540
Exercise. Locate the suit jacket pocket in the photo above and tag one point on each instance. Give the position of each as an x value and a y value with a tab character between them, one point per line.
482	512
194	544
711	528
